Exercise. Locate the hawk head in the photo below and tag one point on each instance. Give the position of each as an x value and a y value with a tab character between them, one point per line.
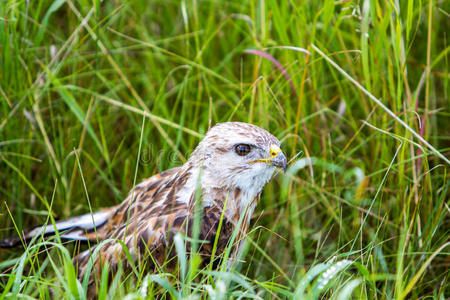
238	155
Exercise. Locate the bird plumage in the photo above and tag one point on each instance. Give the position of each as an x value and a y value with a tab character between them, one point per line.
226	182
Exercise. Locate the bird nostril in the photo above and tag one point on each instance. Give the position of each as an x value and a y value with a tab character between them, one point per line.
274	151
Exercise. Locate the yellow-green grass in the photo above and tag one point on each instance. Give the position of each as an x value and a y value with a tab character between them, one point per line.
96	96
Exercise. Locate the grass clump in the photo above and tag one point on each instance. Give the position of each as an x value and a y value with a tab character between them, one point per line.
363	212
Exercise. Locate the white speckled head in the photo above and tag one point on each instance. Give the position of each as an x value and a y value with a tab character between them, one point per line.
223	164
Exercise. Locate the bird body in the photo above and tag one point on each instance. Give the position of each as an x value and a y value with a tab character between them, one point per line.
226	174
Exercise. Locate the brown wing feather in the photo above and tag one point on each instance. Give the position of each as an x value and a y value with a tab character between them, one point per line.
140	198
147	212
147	221
99	225
150	241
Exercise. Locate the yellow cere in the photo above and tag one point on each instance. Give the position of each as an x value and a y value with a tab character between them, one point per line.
274	150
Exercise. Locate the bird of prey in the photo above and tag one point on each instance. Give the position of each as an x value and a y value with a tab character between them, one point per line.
226	173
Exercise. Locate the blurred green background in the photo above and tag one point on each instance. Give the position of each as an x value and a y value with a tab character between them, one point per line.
77	77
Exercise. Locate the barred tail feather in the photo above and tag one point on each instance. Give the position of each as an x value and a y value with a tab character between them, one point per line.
77	228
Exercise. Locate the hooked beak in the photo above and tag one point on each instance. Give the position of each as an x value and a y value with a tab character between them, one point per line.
279	161
276	159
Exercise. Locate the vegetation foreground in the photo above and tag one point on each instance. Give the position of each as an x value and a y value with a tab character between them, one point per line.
96	96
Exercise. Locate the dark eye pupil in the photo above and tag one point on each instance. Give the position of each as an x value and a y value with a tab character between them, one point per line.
242	149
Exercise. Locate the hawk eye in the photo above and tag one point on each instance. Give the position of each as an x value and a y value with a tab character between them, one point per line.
242	149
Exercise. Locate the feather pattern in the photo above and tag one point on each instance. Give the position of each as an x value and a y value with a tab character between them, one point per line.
227	185
75	228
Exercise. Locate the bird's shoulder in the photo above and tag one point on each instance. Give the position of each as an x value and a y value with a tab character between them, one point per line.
147	201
